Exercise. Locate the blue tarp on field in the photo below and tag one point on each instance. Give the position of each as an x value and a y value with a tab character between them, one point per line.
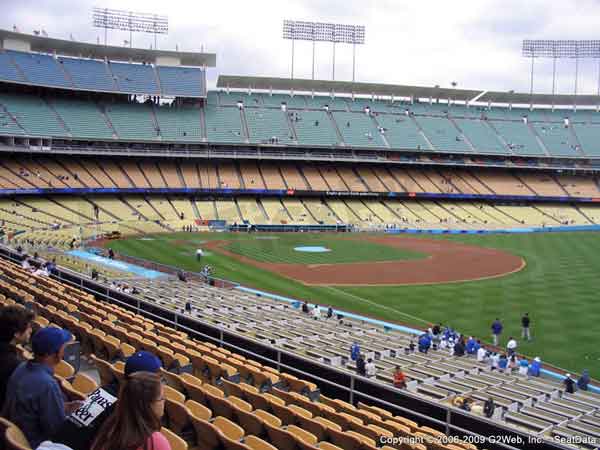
117	265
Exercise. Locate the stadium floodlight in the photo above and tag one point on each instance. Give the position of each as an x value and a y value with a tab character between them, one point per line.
297	30
561	49
115	19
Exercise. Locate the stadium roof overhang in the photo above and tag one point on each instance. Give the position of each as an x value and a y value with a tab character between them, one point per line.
83	49
342	87
400	91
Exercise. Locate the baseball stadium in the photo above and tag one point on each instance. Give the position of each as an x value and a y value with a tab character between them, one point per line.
267	238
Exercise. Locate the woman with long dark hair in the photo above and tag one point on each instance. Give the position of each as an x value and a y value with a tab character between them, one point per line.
135	424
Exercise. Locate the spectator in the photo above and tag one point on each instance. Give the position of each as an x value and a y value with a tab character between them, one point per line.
496	331
399	378
305	307
188	307
470	347
511	346
466	404
424	343
494	360
316	312
512	362
523	366
361	368
459	347
26	264
534	368
111	253
502	363
481	354
584	380
354	351
525	321
370	368
136	422
52	265
488	408
329	312
569	384
34	400
94	274
15	328
81	428
181	276
41	271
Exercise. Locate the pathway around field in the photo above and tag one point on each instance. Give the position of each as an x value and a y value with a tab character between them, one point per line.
448	262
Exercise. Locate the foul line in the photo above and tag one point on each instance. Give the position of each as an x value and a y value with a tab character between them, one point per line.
378	305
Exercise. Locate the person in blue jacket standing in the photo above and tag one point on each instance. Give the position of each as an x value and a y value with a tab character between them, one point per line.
354	351
496	330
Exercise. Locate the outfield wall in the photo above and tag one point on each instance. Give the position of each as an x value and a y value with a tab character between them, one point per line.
496	231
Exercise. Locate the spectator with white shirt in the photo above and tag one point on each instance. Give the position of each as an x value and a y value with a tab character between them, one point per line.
481	354
511	346
370	368
316	312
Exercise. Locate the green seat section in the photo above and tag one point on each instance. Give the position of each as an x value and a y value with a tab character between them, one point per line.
334	104
223	124
588	138
483	138
314	128
132	121
401	132
83	118
443	134
265	124
33	114
558	140
179	123
275	100
358	129
519	138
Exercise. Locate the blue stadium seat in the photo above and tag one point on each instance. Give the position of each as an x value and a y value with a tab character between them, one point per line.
181	81
135	78
89	74
41	69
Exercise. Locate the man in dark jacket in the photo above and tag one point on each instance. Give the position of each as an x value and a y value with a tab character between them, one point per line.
488	407
459	347
569	384
360	366
525	322
15	328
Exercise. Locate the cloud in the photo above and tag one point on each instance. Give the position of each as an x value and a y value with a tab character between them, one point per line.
477	44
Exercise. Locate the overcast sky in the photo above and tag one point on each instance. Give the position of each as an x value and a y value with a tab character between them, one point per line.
476	43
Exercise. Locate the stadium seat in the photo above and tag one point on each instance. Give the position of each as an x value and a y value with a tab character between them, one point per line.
13	437
175	441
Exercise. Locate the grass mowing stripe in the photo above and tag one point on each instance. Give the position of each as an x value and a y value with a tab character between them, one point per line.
378	305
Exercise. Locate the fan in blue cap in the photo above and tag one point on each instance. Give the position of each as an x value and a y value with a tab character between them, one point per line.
34	400
142	362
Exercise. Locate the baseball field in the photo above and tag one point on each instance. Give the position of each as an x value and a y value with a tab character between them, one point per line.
465	281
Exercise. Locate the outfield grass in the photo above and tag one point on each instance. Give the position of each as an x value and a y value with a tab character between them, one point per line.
558	288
